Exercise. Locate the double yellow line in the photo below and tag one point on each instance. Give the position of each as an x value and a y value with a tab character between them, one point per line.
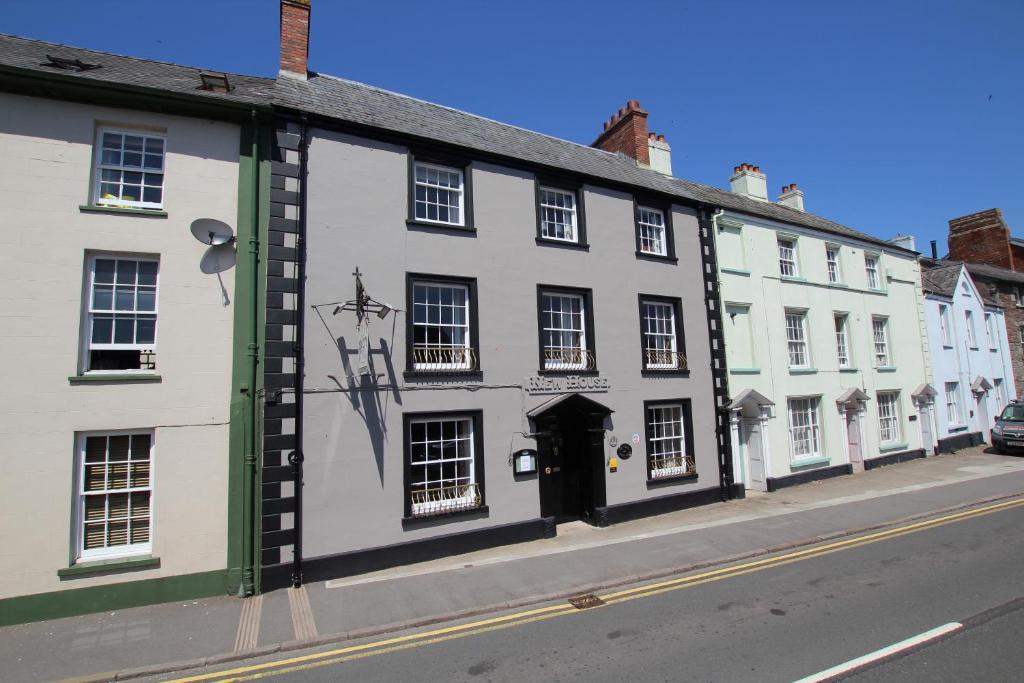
336	656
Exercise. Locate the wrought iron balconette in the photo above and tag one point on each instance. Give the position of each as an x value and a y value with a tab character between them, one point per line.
441	500
672	466
568	359
443	359
664	360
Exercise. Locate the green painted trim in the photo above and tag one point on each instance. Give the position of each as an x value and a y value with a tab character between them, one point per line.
149	213
745	371
901	446
247	354
75	601
848	370
797	465
735	271
803	371
126	378
103	566
792	278
887	368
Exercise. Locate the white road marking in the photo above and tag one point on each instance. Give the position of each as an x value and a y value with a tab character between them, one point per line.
840	669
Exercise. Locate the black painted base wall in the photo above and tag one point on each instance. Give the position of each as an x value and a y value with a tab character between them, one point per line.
958	441
737	491
776	483
623	512
374	559
893	458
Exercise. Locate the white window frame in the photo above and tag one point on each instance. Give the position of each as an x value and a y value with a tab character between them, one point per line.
947	337
92	313
954	417
460	193
666	441
990	331
81	554
582	349
787	249
972	335
1000	387
567	212
664	329
881	342
443	498
446	357
99	167
811	406
833	264
652	231
890	417
842	323
796	339
873	271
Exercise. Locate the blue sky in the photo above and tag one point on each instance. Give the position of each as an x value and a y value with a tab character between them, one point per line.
891	116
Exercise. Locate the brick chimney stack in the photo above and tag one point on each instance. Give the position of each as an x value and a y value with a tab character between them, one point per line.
295	38
981	237
626	132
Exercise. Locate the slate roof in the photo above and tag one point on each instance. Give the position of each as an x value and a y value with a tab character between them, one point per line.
364	105
941	279
26	55
994	272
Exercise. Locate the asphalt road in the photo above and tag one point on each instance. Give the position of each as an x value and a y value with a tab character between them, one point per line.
772	624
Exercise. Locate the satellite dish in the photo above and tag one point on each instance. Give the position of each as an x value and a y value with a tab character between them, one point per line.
212	231
217	259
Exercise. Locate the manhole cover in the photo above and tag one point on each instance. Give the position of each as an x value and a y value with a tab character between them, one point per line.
585	601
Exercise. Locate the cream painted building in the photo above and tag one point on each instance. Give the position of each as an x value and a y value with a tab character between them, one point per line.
116	399
825	340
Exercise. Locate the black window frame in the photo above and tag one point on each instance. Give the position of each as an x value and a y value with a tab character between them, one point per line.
474	326
569	186
665	207
677	307
441	158
477	416
687	406
588	321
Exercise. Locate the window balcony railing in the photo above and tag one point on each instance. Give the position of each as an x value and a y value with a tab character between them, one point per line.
443	358
664	360
444	499
568	359
672	466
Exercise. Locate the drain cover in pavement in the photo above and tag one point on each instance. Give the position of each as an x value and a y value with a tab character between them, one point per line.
585	601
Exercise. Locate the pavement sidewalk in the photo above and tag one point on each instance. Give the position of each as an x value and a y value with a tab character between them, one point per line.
580	559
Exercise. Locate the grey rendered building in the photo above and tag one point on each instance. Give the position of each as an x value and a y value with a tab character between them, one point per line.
535	317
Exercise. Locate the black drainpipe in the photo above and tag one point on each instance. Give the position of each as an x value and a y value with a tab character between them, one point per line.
296	457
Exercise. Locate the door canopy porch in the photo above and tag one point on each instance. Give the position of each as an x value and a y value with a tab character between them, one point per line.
980	385
749	397
578	402
852	397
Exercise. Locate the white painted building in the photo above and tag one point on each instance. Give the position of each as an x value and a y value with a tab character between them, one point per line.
824	333
970	355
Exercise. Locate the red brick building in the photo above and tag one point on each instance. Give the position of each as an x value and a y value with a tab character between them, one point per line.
995	260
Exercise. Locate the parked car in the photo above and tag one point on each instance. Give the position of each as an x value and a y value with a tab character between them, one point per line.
1008	432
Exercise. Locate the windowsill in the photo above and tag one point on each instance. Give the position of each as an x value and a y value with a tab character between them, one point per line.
113	565
444	517
745	371
667	372
543	371
803	371
676	479
896	446
947	346
973	348
656	257
152	213
548	242
953	429
808	462
474	375
874	290
412	223
123	377
735	271
848	370
993	349
886	368
840	285
792	278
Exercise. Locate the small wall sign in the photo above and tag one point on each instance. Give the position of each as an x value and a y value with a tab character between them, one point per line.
558	385
613	442
636	439
625	451
524	461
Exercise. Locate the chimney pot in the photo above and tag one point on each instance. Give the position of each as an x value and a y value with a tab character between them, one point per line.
633	104
651	136
661	138
757	169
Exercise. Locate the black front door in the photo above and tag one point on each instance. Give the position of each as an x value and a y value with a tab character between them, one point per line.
568	465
